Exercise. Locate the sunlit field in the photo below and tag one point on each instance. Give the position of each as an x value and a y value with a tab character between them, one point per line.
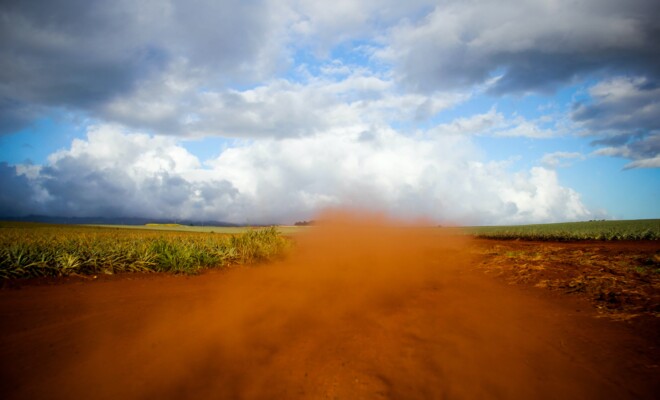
30	250
285	230
36	250
646	229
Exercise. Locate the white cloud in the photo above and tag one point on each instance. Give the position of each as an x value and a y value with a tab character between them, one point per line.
323	24
494	123
110	147
539	196
279	108
644	163
560	159
116	173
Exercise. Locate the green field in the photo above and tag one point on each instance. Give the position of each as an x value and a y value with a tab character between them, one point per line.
647	229
230	230
643	229
36	250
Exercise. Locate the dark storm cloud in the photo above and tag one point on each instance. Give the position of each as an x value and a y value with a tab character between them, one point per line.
646	148
17	197
624	114
225	34
531	46
70	53
643	150
621	105
82	54
15	114
77	187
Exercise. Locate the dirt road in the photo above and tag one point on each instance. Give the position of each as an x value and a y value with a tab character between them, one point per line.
357	312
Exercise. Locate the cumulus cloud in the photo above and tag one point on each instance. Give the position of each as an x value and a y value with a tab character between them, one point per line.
521	47
340	96
433	177
624	114
117	173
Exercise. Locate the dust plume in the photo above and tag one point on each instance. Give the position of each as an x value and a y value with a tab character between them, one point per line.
262	332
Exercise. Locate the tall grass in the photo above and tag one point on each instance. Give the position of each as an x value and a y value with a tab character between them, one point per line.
36	250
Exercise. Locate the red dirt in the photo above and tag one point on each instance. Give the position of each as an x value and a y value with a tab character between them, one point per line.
621	279
359	311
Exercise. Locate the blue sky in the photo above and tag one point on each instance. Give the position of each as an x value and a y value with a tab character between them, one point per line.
270	111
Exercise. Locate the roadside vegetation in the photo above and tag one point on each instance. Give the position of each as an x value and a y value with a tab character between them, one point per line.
645	229
29	250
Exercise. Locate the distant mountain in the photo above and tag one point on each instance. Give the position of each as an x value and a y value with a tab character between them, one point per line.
113	221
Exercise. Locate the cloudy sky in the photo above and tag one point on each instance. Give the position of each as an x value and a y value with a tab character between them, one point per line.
266	111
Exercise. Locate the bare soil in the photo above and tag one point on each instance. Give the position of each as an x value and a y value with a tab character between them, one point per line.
360	311
621	278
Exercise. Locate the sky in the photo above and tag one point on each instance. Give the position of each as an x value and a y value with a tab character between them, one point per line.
268	111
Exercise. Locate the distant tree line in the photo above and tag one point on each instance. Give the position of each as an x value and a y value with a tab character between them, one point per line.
305	223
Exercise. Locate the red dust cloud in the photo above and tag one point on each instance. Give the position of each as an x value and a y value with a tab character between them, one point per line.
362	308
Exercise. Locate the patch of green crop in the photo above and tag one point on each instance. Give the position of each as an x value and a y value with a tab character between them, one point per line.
646	229
36	250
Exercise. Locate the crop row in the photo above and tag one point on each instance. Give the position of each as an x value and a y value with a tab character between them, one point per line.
62	251
592	230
